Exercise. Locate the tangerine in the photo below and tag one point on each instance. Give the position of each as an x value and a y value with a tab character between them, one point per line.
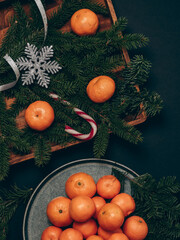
108	186
71	234
135	228
110	217
87	228
106	234
80	184
118	236
82	208
58	211
125	202
51	233
84	22
94	237
100	89
99	203
39	115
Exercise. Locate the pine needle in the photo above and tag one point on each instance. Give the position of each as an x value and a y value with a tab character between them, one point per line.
9	201
157	203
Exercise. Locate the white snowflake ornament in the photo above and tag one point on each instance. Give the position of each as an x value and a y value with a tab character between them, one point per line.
37	66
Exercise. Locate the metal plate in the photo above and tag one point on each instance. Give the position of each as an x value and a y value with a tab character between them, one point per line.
35	218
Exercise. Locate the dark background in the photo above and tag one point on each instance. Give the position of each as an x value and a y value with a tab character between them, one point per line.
159	152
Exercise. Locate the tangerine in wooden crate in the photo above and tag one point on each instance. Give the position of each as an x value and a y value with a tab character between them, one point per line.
100	89
39	115
84	22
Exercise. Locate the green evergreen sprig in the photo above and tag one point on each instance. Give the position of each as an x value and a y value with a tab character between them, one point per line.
158	203
9	201
101	140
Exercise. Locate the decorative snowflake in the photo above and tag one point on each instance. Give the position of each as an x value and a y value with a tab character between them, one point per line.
37	66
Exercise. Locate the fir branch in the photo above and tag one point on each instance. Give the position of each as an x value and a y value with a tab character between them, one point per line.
122	129
42	151
137	71
97	7
101	141
11	138
18	144
4	160
19	28
56	134
35	38
166	184
20	13
152	102
37	22
134	41
9	201
120	25
157	203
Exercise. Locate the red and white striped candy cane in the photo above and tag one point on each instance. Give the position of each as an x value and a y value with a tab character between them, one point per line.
82	114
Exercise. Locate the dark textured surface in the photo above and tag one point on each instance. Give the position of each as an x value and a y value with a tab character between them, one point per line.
159	152
158	20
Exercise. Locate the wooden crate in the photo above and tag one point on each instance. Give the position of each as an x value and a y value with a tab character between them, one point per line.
105	23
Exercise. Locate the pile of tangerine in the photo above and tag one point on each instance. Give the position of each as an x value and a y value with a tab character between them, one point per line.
93	211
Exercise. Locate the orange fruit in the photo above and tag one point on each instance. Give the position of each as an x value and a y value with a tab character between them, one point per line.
106	234
108	186
100	89
80	184
84	22
110	217
51	232
87	228
71	234
82	208
58	211
99	203
94	237
118	236
135	228
125	202
39	115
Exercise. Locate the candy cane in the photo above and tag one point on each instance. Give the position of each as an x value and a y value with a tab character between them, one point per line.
82	114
